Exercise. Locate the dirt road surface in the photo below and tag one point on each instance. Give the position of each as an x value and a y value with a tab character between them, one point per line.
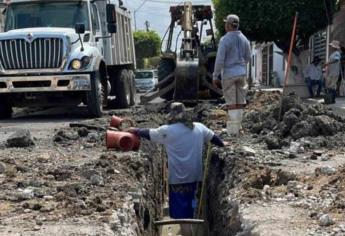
277	178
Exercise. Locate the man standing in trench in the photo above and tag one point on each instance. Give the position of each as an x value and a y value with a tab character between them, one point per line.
231	63
183	141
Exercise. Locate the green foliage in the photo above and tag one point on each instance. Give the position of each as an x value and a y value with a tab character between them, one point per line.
147	44
267	20
151	62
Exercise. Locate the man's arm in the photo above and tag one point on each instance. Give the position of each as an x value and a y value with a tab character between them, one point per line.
334	59
220	59
159	135
142	133
217	141
248	52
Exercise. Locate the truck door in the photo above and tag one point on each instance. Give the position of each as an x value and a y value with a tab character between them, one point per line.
96	27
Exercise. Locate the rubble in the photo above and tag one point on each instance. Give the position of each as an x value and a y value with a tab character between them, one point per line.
63	185
325	220
287	176
2	168
20	139
298	121
276	176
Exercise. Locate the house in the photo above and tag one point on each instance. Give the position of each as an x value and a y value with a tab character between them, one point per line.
267	65
266	60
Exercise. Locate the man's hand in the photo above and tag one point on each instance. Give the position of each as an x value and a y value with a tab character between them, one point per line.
226	143
216	83
133	130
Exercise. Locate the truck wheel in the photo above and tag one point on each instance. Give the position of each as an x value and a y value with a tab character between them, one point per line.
133	88
5	109
165	68
94	97
123	90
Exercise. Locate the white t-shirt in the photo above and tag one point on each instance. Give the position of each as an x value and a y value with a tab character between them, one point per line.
184	148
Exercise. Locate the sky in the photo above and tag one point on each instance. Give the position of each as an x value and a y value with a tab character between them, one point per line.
156	12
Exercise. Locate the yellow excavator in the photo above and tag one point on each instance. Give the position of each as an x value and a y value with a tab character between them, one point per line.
186	74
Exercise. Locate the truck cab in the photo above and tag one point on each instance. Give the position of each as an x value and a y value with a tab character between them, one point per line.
58	52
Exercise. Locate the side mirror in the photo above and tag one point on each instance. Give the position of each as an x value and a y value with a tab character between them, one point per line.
112	29
111	14
79	28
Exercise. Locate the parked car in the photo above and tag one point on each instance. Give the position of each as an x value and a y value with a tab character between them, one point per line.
145	80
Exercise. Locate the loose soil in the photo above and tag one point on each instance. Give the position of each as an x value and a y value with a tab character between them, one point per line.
279	177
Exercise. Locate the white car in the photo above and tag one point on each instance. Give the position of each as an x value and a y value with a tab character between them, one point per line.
146	80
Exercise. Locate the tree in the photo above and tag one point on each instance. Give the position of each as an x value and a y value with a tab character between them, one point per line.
147	44
267	20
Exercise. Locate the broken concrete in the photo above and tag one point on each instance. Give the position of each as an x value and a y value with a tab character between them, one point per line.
21	138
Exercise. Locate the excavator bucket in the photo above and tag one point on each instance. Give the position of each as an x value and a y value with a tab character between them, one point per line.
187	80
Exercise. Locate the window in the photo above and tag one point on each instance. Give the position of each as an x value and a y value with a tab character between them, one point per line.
144	75
94	19
46	14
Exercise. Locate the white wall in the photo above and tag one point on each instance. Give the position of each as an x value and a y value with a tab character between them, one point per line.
278	63
257	65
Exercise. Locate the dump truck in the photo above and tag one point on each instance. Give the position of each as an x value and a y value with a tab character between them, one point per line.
185	70
59	52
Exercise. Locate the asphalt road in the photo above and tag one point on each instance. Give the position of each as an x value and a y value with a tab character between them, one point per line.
42	122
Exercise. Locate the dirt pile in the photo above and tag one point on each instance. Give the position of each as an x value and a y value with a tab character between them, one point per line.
69	178
298	120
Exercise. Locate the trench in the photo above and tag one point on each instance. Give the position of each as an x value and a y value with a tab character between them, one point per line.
145	201
222	211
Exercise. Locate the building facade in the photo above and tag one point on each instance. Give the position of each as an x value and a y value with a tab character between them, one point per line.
268	65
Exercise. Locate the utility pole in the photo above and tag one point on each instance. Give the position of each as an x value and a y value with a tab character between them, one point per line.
135	11
147	25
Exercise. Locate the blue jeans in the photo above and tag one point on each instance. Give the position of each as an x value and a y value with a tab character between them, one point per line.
311	84
182	200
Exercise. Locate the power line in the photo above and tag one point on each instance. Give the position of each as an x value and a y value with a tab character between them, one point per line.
136	10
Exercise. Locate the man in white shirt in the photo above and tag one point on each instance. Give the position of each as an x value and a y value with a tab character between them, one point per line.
333	69
233	56
313	76
183	141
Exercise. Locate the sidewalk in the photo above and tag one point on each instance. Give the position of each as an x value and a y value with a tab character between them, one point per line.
339	106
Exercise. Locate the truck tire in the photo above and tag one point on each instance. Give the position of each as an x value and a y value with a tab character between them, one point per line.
94	97
166	67
133	88
123	90
5	109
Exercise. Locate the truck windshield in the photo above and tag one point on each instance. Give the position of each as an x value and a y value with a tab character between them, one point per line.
144	75
46	14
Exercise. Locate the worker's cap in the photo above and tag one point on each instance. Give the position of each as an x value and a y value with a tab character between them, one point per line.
177	111
335	44
178	114
232	19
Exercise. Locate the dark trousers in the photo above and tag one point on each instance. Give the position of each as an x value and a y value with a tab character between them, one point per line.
311	84
330	96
